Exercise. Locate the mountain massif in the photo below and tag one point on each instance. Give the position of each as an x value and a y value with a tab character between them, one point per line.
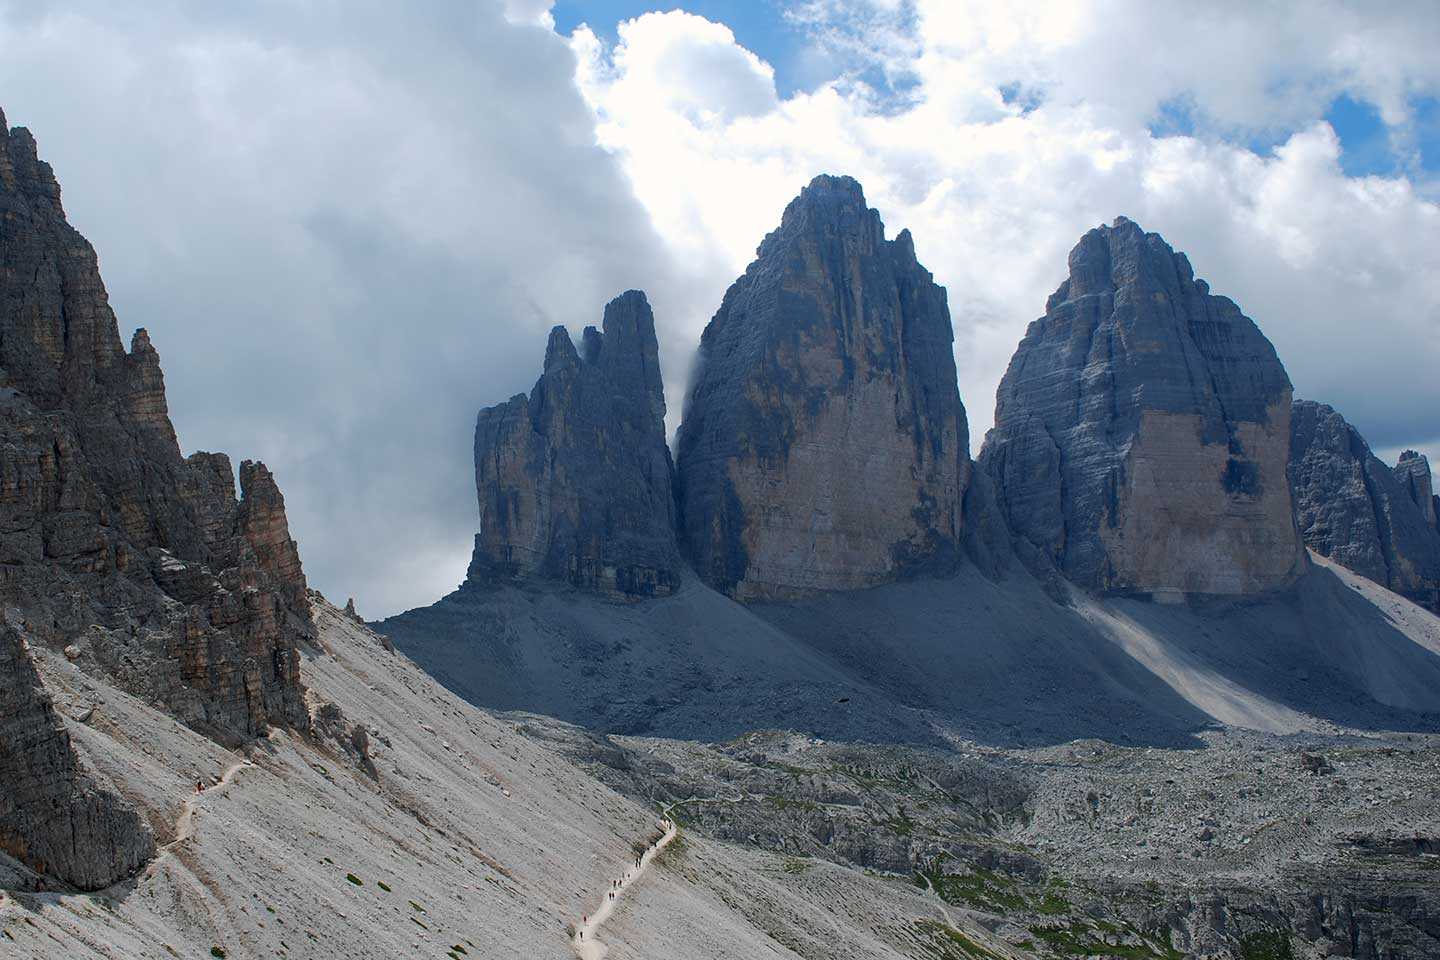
1152	678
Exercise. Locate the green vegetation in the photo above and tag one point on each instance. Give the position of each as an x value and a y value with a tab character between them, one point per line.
383	886
796	865
415	906
901	825
459	949
1082	940
354	879
951	944
218	952
980	888
1052	904
1269	945
674	851
418	924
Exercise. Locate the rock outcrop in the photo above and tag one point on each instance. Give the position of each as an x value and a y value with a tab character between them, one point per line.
824	445
1413	472
52	815
1142	430
113	544
575	481
1353	509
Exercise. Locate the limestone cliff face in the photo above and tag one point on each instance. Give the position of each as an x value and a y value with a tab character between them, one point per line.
1142	430
1357	511
113	544
52	815
824	445
575	480
1413	472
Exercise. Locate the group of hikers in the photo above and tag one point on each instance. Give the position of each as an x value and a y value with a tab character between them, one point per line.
616	885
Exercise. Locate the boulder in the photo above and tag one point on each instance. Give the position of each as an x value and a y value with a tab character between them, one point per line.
823	444
1142	431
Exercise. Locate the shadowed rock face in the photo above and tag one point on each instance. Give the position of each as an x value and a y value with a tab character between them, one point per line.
575	480
1142	430
824	445
143	561
1413	472
52	815
1355	510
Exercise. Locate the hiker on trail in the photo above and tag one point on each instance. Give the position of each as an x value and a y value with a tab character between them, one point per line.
199	787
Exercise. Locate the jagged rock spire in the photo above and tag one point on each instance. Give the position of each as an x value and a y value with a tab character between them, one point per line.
1357	511
575	480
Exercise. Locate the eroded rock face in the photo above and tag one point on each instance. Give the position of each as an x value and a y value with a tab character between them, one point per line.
824	445
1142	430
1352	508
113	544
1412	470
575	480
52	815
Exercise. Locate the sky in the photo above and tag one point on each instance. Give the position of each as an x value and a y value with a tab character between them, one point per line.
349	226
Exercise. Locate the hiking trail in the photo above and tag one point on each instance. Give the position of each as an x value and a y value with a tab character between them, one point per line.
586	946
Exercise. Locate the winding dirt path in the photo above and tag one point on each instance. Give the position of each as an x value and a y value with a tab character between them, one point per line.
587	947
185	826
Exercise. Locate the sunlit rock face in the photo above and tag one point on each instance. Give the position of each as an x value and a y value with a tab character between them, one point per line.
1355	510
1142	430
575	480
823	444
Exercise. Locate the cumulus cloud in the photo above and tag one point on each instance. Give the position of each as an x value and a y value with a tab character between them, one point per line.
1008	130
346	227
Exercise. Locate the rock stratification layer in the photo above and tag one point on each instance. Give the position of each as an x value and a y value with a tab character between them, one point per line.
824	445
1353	509
1142	430
575	480
139	563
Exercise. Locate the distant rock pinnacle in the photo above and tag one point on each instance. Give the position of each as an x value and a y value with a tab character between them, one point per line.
574	481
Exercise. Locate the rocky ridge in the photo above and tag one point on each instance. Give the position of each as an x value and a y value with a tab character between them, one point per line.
141	564
1352	508
575	480
823	444
1142	431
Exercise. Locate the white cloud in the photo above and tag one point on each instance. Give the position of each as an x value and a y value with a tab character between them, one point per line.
1343	274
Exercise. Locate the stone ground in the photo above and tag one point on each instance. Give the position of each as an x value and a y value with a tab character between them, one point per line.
474	842
486	834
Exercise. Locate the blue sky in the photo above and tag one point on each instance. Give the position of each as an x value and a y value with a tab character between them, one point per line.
761	27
